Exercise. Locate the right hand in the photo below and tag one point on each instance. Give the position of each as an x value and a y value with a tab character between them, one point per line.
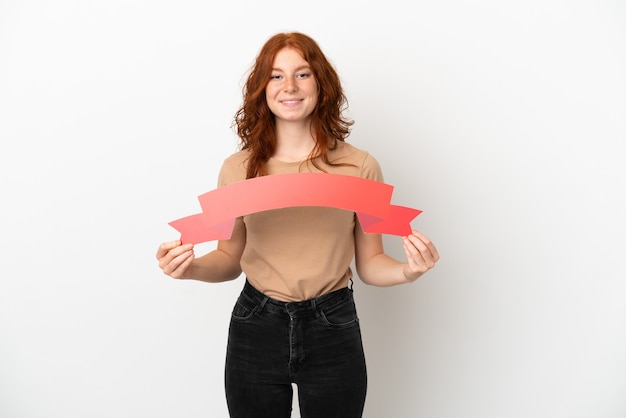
175	258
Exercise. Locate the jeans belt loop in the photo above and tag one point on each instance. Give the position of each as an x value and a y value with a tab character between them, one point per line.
262	304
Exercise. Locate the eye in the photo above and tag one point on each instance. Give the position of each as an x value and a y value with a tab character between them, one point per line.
276	77
303	75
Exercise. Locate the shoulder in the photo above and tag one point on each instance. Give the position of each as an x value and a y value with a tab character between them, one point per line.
365	163
234	168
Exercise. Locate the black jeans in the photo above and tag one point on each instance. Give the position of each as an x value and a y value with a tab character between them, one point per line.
315	344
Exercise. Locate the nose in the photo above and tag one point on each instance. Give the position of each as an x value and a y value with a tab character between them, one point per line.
290	85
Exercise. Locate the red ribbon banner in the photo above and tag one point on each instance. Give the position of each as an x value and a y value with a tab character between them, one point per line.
369	199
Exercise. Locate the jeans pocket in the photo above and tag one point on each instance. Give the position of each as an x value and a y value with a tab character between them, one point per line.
243	310
342	315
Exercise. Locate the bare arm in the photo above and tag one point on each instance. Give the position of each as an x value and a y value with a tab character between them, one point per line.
222	264
376	268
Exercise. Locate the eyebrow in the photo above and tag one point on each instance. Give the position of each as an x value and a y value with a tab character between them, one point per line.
302	67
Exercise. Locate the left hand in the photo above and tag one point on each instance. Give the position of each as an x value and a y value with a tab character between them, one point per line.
421	255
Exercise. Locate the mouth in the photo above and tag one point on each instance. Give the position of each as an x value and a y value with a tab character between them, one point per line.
290	102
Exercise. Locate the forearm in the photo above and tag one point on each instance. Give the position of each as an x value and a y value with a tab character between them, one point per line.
213	267
383	271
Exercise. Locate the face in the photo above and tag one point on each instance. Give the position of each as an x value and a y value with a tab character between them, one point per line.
291	92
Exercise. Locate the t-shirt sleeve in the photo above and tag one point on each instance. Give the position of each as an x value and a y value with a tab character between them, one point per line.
233	169
371	169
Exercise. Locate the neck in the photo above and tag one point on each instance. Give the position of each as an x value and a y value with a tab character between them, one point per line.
293	143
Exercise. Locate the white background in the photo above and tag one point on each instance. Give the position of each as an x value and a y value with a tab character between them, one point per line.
503	121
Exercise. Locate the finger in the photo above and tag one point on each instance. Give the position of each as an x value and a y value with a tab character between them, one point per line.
165	247
172	263
419	245
431	246
180	265
169	250
423	243
426	259
427	241
413	255
169	261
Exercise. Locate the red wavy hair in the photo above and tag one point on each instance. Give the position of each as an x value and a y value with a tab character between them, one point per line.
254	122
